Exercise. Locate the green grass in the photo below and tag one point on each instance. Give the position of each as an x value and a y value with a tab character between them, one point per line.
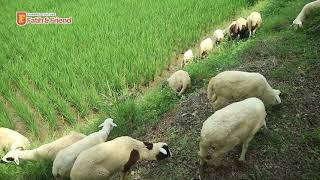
93	69
110	48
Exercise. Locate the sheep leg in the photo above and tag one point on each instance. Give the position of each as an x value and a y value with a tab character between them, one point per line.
245	148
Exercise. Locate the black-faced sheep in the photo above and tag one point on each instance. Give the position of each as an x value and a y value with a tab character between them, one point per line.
231	86
241	27
235	124
103	160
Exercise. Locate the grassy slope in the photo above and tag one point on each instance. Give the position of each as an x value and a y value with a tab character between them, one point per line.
290	148
65	71
273	33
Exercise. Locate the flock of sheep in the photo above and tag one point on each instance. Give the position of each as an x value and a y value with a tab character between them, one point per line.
238	98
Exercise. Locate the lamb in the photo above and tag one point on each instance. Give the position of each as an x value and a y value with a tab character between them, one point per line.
205	47
187	57
66	157
103	160
11	140
44	152
231	86
179	81
254	21
219	36
297	23
241	27
237	123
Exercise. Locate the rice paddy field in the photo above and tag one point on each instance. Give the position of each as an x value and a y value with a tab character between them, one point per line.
55	75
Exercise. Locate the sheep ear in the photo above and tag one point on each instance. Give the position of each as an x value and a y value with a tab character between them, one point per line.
101	125
163	151
114	124
16	160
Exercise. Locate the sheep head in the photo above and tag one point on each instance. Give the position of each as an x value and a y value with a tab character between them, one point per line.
157	151
11	157
108	124
272	97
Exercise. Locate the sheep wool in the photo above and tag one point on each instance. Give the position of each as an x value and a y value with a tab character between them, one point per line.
120	154
187	57
179	81
230	126
218	36
44	152
66	157
11	140
241	27
205	47
254	21
231	30
231	86
297	23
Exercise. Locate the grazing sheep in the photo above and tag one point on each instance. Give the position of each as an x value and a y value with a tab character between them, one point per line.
66	157
103	160
44	152
11	140
231	30
237	123
187	57
205	47
179	81
241	27
218	35
231	86
297	23
254	21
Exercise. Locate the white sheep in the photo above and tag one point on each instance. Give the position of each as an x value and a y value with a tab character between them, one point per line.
11	140
235	124
231	31
297	23
205	47
103	160
241	27
254	21
179	81
218	36
231	86
66	157
44	152
187	58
